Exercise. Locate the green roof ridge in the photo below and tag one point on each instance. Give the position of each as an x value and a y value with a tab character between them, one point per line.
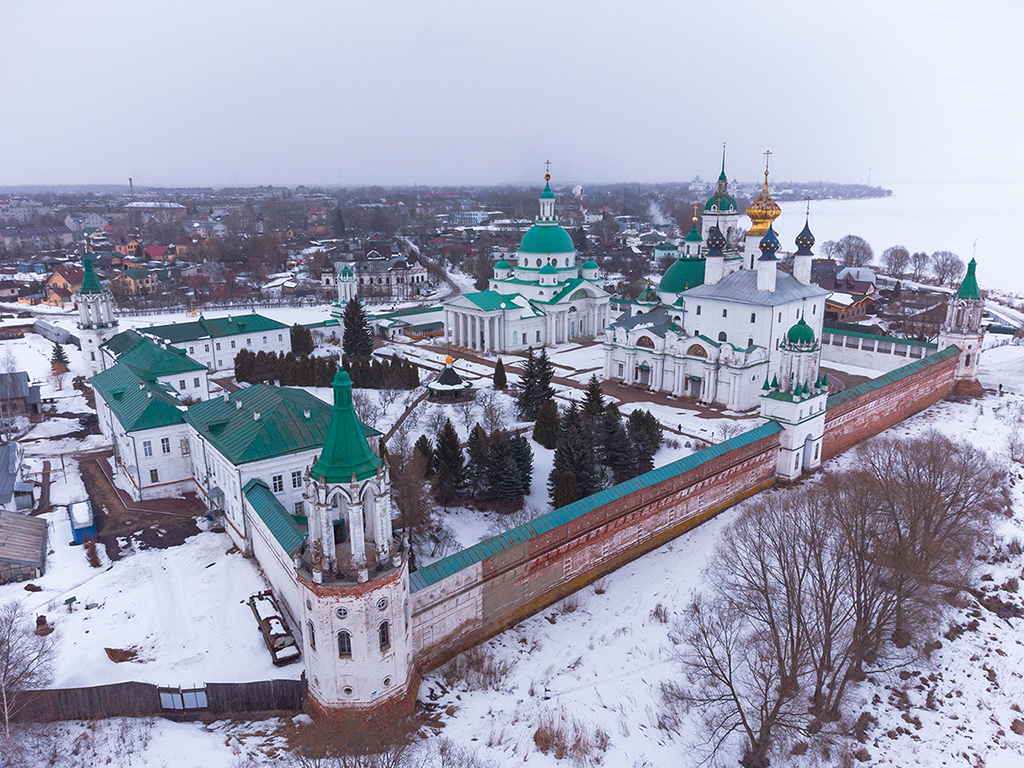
346	452
277	519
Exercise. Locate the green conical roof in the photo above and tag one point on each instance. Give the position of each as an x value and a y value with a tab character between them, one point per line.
346	451
91	284
969	287
547	194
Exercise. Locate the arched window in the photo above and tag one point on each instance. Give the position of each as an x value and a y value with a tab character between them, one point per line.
344	644
753	317
696	350
750	342
645	342
698	309
312	635
384	635
722	336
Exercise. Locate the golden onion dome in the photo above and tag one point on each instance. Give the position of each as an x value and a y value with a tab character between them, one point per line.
763	210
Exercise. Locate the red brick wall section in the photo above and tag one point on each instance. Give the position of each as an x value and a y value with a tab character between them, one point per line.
874	412
527	578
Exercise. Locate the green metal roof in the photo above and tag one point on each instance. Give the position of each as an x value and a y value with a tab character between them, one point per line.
282	426
683	275
969	287
137	403
149	356
492	300
590	264
502	264
801	333
547	194
547	269
723	203
90	283
546	238
214	328
900	373
890	339
282	525
452	564
121	342
346	452
693	236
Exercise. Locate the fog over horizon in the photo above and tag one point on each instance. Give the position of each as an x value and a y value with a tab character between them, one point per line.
465	94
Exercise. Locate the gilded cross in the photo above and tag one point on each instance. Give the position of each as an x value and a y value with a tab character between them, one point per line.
547	166
767	155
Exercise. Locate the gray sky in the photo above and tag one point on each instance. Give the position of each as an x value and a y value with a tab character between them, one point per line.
479	92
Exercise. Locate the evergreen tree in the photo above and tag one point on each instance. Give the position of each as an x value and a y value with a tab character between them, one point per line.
545	372
412	375
509	487
564	492
426	450
645	434
545	430
579	240
500	380
524	462
358	340
476	462
339	224
450	465
59	356
302	340
593	400
499	454
619	452
527	402
575	452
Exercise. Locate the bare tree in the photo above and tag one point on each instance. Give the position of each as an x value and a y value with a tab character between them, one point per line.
25	664
948	267
367	407
466	408
895	260
921	262
853	251
493	412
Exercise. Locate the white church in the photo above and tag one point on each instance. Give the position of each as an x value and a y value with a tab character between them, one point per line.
545	299
714	328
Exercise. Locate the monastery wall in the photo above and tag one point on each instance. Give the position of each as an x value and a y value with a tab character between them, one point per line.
866	410
879	353
462	600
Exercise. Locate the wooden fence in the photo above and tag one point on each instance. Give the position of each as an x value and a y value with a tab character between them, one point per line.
140	699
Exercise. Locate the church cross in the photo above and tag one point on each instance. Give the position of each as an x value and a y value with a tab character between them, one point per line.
767	155
547	166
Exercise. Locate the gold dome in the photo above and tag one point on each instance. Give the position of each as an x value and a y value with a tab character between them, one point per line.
763	210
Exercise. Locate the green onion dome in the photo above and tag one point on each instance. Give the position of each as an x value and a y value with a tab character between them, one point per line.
801	334
720	202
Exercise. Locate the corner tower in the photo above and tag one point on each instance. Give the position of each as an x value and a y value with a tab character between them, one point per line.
354	576
96	322
963	325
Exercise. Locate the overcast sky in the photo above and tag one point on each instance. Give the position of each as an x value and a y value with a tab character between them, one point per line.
480	92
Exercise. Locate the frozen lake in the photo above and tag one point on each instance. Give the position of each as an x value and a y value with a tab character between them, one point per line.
928	217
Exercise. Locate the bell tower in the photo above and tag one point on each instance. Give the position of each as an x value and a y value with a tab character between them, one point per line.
963	325
354	576
96	322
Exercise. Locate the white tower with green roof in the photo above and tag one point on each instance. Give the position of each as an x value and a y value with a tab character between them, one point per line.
96	322
353	575
796	399
963	325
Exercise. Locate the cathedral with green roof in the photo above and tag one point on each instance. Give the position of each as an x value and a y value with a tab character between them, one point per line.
545	298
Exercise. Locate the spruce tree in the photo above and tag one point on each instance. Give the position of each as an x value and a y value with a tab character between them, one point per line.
58	356
527	402
358	340
476	462
593	400
575	452
450	465
499	456
426	450
302	340
620	453
524	462
645	433
564	492
545	372
545	430
509	487
500	380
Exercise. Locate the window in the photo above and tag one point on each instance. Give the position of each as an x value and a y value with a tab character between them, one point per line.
264	339
278	483
753	317
750	342
147	448
382	604
165	445
341	613
780	317
195	382
248	342
620	369
218	346
232	343
191	350
725	313
312	635
384	635
722	336
280	337
207	347
344	645
515	338
814	309
154	476
186	447
92	355
538	335
698	309
181	384
297	478
300	508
